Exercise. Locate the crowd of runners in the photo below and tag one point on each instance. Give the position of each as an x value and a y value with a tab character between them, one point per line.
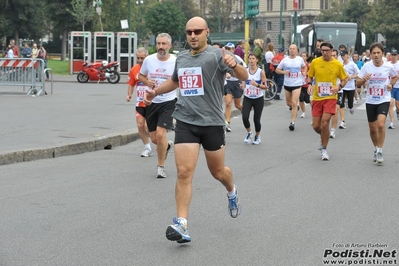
197	87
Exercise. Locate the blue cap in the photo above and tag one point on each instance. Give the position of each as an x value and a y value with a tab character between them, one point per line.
281	49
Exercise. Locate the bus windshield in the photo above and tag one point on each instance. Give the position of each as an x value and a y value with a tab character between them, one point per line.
337	36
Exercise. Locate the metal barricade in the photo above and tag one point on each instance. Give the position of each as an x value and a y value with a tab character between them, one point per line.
24	72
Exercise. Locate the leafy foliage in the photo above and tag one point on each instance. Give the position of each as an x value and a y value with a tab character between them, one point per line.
165	17
82	11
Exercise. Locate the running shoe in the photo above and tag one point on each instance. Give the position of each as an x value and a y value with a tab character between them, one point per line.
303	115
375	156
248	137
342	125
379	158
291	126
319	145
146	153
332	135
170	144
391	126
234	206
351	111
356	102
177	232
161	172
228	128
324	155
256	140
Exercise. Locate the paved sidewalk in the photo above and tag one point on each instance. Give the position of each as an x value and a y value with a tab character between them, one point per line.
77	118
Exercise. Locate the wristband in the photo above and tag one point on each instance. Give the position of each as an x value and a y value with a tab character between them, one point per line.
234	65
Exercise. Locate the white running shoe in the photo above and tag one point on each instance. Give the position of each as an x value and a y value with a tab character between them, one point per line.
379	158
342	125
161	172
146	153
324	155
303	115
256	141
351	111
248	138
391	126
332	135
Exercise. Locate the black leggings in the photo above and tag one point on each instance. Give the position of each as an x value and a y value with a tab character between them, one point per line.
247	105
349	95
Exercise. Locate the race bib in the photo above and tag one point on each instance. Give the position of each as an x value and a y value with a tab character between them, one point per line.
293	74
376	91
191	81
140	91
252	92
324	89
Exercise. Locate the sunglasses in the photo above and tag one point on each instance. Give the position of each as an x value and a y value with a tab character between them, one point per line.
196	32
325	51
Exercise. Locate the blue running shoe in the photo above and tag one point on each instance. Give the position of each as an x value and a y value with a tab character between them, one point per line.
234	205
177	232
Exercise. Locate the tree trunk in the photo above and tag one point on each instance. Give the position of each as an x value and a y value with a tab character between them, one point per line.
64	44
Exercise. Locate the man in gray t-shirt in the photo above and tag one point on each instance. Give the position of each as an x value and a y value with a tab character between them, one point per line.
199	74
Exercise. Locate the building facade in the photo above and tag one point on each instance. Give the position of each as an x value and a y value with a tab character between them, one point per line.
267	24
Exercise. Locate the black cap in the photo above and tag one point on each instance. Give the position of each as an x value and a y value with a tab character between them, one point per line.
327	44
394	52
344	52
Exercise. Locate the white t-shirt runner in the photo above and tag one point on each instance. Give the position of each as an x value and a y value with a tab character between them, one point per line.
294	65
396	67
159	71
351	69
377	92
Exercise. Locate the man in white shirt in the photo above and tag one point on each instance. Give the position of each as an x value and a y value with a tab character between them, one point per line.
156	69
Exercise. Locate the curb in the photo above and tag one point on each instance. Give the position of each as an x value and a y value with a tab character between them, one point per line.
104	143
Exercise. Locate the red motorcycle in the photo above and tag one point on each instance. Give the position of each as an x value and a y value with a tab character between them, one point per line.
99	71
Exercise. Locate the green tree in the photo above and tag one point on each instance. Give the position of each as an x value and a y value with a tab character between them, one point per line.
219	14
383	19
165	17
83	11
23	19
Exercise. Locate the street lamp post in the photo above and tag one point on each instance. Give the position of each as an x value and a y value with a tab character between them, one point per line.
138	2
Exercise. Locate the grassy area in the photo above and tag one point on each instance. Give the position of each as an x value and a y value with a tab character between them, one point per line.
59	67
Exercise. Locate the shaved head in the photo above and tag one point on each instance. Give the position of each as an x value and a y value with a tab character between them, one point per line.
197	21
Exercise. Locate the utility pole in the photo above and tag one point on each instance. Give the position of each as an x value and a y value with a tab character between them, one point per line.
296	22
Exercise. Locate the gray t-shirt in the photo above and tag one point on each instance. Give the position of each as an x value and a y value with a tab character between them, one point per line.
201	87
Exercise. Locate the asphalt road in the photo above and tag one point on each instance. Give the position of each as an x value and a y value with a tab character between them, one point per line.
107	207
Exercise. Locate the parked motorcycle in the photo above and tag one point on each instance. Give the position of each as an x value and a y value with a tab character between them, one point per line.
99	71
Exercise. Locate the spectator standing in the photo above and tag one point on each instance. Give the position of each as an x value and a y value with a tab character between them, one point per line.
240	49
27	51
278	78
258	51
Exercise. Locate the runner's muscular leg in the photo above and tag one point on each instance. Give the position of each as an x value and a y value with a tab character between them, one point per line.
215	161
186	156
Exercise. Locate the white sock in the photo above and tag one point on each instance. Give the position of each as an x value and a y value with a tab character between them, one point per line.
232	193
182	221
147	146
